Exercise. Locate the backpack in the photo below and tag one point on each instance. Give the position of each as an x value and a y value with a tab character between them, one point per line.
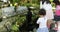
57	12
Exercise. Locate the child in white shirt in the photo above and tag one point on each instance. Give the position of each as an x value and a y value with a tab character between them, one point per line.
42	21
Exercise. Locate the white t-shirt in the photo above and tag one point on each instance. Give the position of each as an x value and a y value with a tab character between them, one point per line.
42	22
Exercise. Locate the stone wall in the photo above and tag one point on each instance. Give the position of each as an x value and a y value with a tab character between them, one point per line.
6	24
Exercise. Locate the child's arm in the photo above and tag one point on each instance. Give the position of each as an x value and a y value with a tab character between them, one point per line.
38	21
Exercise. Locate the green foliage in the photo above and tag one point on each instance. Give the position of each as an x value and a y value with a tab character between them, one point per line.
14	1
25	4
51	0
14	28
19	21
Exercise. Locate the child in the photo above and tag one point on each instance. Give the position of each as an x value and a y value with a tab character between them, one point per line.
46	4
57	14
42	21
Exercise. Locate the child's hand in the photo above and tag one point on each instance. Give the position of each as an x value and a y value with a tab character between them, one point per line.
56	28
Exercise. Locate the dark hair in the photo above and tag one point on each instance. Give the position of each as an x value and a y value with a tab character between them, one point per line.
42	12
47	1
56	2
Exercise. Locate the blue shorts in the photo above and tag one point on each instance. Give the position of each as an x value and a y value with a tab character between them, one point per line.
42	30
